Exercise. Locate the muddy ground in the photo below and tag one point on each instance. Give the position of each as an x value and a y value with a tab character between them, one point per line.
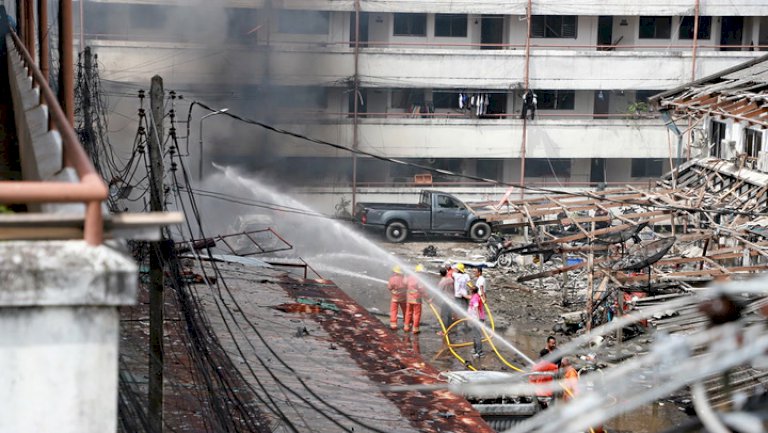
526	312
524	315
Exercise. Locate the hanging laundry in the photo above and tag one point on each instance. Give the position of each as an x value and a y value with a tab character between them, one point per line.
529	104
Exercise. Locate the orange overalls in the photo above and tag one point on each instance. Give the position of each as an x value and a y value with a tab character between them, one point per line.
413	312
571	378
543	379
397	289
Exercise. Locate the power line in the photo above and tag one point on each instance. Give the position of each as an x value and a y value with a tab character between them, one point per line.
628	202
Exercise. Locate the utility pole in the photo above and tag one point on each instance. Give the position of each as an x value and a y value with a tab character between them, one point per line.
526	85
355	93
86	97
156	283
66	60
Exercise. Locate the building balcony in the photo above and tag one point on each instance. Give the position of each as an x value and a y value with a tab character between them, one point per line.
332	65
482	138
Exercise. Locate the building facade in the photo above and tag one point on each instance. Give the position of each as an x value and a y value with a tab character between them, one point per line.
385	76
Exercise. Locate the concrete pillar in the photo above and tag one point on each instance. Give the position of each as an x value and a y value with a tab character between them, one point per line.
60	333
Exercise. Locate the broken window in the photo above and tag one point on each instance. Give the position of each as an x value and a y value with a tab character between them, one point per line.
716	137
554	26
647	167
687	24
451	25
556	99
753	142
303	22
655	27
410	25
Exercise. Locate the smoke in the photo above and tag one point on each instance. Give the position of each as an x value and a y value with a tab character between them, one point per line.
259	63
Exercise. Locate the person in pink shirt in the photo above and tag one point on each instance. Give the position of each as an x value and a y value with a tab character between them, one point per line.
476	310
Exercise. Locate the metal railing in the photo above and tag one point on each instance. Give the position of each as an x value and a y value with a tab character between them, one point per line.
91	189
273	42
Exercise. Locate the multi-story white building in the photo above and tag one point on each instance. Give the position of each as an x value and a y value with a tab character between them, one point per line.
296	64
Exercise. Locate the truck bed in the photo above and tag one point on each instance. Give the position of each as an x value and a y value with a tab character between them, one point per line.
390	206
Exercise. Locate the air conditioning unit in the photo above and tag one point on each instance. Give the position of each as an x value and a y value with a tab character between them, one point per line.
729	143
762	161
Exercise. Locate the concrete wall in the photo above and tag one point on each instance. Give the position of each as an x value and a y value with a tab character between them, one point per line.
425	138
59	345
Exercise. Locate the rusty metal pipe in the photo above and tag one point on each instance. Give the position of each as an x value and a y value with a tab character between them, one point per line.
42	35
49	192
29	24
74	155
91	188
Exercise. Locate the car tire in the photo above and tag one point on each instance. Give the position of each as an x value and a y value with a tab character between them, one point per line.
480	231
396	232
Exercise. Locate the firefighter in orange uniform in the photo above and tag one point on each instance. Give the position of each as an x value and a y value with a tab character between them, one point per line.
416	290
397	290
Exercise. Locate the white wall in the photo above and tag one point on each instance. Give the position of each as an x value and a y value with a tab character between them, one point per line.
425	138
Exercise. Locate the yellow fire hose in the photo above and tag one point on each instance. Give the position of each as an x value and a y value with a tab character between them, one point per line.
487	338
448	340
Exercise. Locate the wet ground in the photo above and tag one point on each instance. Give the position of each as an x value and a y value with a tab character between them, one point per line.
524	317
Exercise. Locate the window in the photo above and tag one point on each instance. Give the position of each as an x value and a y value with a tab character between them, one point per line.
241	24
547	167
303	22
406	98
303	97
553	26
446	202
686	27
753	142
555	99
148	16
647	167
716	136
655	27
490	168
451	25
410	25
644	95
445	100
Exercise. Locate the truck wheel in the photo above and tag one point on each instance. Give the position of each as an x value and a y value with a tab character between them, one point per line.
480	231
396	232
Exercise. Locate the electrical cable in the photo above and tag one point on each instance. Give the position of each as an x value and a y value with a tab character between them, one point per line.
722	211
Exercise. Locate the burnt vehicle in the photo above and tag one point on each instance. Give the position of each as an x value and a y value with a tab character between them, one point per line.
435	213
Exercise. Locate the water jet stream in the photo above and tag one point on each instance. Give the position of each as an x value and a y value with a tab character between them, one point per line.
333	237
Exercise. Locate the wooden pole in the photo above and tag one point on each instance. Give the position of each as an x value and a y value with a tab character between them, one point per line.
156	278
